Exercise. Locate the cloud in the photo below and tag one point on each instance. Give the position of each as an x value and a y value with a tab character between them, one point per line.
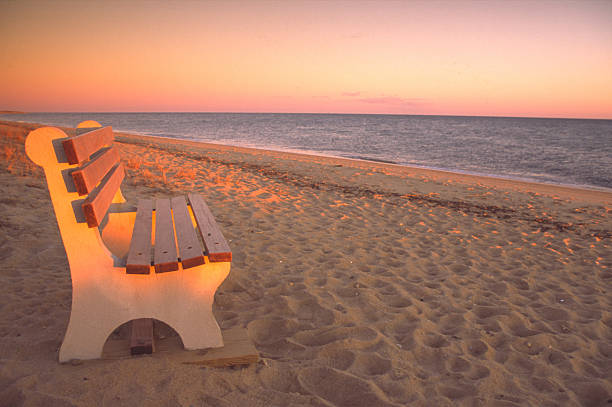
393	101
351	94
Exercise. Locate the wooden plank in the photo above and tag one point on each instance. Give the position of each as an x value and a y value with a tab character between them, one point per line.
80	148
87	176
189	247
238	349
217	248
141	337
139	256
166	258
98	201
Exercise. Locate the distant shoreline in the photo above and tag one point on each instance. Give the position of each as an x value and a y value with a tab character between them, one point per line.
11	112
586	192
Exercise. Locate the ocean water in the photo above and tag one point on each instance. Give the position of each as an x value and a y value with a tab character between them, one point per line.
559	151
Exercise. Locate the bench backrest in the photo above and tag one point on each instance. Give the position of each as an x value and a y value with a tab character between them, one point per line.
84	174
99	173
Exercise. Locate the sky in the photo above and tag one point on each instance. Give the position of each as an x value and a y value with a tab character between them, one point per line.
486	58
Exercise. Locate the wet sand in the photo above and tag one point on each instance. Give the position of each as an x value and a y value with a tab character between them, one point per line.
360	283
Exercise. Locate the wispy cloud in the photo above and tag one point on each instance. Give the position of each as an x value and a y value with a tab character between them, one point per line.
351	94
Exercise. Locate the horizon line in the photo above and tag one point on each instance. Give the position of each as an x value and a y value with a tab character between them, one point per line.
7	112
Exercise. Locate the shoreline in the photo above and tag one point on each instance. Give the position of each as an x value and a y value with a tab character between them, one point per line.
387	162
588	193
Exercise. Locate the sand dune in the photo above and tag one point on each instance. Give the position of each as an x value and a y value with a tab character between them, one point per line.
361	284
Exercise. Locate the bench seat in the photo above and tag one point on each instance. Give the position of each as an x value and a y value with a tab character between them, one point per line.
190	229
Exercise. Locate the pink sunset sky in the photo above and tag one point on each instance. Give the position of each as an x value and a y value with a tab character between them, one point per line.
490	58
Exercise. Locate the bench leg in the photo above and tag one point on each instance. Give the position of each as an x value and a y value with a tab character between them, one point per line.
193	318
182	299
198	328
85	336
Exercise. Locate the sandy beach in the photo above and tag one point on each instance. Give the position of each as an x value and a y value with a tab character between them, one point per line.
360	284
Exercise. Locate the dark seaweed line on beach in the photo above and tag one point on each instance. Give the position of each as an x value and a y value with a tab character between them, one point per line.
483	211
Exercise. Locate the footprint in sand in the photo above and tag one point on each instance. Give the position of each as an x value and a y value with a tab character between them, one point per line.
478	372
319	337
266	331
310	310
553	314
434	340
517	326
476	347
457	392
457	364
451	324
337	358
280	379
590	394
341	389
430	360
272	337
530	346
520	364
370	364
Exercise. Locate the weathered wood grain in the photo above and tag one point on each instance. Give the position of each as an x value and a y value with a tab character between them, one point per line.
80	148
189	247
99	200
166	258
217	248
87	176
139	255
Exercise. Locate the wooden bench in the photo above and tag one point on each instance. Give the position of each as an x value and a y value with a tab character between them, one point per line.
164	259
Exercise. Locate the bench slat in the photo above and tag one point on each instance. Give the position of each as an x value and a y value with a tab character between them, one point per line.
80	148
166	258
87	176
139	256
190	249
217	248
98	201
